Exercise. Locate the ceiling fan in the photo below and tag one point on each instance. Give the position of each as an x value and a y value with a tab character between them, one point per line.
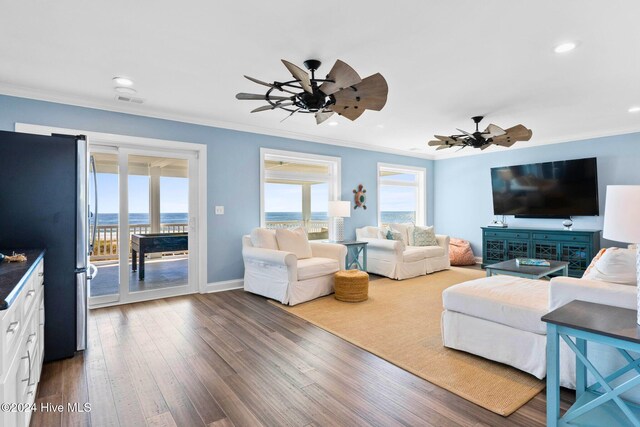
491	135
342	92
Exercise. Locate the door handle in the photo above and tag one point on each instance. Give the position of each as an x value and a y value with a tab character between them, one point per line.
93	272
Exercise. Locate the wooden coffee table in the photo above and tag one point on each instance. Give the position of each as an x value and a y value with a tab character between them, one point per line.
511	268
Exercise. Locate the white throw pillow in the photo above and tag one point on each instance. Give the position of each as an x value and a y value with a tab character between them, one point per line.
294	241
406	230
616	265
264	238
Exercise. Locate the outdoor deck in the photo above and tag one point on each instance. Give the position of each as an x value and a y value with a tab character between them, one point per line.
160	273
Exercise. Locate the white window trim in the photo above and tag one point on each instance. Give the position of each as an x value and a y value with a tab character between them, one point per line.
421	185
300	157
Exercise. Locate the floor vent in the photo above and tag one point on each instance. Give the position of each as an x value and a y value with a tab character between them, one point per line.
133	100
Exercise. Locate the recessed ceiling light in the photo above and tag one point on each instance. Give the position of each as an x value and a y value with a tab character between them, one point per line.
128	90
565	47
123	81
333	123
634	109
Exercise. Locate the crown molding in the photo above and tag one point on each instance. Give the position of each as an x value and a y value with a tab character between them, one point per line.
62	98
100	104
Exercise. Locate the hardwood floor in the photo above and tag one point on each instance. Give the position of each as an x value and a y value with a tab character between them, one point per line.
231	358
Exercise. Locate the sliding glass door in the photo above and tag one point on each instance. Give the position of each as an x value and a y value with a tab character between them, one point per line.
146	225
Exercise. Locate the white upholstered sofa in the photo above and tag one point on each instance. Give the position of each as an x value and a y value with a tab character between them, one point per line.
398	259
498	318
281	276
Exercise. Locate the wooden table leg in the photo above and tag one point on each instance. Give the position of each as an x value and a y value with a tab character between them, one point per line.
141	269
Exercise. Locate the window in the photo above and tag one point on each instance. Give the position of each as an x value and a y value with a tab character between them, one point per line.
296	189
401	194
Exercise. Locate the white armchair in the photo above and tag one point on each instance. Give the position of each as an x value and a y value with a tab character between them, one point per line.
398	260
281	276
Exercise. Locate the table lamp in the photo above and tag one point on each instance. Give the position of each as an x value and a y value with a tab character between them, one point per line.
622	220
338	210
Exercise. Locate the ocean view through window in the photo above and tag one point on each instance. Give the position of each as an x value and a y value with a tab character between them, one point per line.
296	189
401	194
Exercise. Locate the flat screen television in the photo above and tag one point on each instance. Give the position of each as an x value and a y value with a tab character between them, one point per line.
546	190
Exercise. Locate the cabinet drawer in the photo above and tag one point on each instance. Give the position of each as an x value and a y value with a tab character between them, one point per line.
11	329
561	237
507	234
30	297
38	274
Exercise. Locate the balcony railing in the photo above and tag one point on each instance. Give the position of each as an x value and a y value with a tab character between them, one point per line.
315	229
106	246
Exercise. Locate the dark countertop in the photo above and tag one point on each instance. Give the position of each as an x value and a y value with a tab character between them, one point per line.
614	322
13	275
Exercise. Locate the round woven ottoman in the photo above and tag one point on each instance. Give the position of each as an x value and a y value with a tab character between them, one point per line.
351	285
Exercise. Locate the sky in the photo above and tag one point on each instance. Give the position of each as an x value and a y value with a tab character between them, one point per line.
174	194
288	198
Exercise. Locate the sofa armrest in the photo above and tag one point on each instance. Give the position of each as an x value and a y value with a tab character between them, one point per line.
330	250
443	241
563	290
270	256
396	247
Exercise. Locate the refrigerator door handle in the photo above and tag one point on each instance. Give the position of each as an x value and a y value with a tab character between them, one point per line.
93	272
95	205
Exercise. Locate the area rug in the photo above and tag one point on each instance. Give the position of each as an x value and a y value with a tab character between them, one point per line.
400	322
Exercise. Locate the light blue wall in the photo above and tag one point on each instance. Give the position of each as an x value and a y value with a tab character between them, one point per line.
233	168
463	201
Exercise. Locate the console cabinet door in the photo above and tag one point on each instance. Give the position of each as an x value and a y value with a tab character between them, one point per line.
518	249
544	249
495	250
578	255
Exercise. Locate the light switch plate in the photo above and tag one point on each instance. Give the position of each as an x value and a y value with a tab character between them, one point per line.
219	210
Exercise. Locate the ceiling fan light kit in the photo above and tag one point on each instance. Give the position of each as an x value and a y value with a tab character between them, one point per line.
343	92
492	135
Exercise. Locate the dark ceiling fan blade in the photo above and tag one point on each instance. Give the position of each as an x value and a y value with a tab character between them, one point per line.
342	75
370	94
321	116
299	74
260	97
260	82
271	107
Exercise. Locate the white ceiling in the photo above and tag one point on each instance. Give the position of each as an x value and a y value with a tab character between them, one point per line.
444	62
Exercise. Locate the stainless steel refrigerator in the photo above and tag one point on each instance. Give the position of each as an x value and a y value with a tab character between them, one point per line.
44	203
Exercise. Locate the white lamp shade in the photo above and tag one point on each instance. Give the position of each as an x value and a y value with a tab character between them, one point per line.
338	208
622	213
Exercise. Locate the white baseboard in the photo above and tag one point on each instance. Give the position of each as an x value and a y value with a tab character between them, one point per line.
225	285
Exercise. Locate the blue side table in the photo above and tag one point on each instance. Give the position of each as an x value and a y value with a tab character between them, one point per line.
599	404
354	250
